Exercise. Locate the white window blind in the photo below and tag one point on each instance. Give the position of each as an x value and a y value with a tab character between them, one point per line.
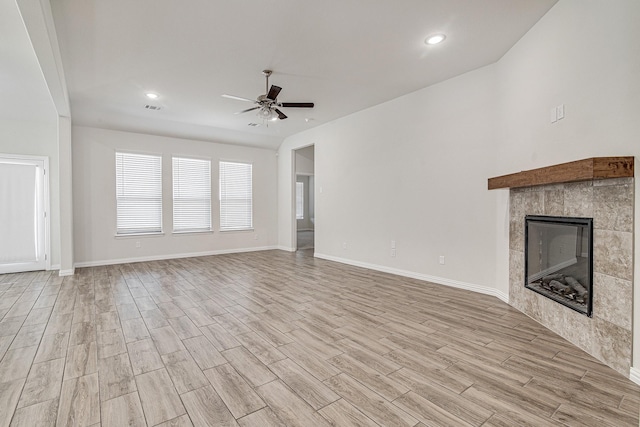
236	196
138	193
299	200
191	195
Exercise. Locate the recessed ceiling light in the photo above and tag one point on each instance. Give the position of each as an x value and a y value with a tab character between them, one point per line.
435	39
151	95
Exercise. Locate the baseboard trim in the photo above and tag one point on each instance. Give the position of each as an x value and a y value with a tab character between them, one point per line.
286	248
634	375
171	256
305	229
69	272
425	277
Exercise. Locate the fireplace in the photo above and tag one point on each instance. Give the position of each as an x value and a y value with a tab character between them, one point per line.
559	260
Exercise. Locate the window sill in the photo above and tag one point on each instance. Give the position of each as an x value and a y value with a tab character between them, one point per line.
239	230
125	236
192	232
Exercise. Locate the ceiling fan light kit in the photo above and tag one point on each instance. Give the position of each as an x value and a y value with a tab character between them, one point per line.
267	104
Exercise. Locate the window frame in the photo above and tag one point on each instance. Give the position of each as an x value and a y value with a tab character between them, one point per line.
150	231
204	229
223	226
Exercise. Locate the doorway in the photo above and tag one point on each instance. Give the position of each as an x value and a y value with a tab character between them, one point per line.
305	198
24	199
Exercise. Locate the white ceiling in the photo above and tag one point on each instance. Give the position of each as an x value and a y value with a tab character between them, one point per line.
23	91
344	55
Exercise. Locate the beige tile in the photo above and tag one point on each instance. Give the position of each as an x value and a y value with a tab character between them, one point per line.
205	408
128	312
159	398
81	360
199	316
41	414
181	421
260	348
264	418
52	347
82	333
110	343
316	366
38	315
108	321
9	396
247	365
16	363
59	323
124	410
43	383
219	337
234	390
144	356
79	402
135	330
343	414
29	335
184	372
304	384
370	403
287	406
10	326
116	377
154	319
184	327
203	352
166	340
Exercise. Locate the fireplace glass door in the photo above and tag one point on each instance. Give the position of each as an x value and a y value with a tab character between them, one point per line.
559	259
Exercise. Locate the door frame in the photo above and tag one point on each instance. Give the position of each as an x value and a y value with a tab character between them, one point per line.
292	188
43	162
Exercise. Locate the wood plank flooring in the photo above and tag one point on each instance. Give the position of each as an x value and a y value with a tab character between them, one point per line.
279	339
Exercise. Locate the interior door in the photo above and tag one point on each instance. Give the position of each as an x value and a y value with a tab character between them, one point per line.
22	214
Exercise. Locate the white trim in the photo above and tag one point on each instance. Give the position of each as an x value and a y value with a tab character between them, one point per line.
427	278
55	267
67	272
552	269
285	248
634	375
170	256
306	229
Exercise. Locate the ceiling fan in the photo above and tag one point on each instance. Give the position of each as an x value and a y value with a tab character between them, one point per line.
267	105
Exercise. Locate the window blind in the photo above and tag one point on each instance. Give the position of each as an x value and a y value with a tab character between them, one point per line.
138	193
191	195
236	196
299	200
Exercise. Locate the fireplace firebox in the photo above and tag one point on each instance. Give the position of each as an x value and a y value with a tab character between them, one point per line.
559	260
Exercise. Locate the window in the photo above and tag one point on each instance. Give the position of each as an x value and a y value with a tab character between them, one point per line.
138	193
236	196
191	195
299	200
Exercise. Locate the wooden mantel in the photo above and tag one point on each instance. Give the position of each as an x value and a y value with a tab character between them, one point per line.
580	170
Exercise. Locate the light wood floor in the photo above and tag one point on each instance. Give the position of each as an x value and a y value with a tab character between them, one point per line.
275	338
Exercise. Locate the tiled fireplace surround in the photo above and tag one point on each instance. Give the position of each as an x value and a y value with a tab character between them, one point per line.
607	335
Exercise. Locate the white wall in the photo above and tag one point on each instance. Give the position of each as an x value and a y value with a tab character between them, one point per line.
583	54
38	139
415	169
95	209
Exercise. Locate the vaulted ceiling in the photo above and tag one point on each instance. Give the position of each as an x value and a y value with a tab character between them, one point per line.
344	55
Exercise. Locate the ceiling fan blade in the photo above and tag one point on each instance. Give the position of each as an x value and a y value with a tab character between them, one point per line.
273	92
281	115
296	104
238	98
247	110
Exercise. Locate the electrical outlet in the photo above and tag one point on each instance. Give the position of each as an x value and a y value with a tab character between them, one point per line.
138	244
441	259
393	252
393	244
344	245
